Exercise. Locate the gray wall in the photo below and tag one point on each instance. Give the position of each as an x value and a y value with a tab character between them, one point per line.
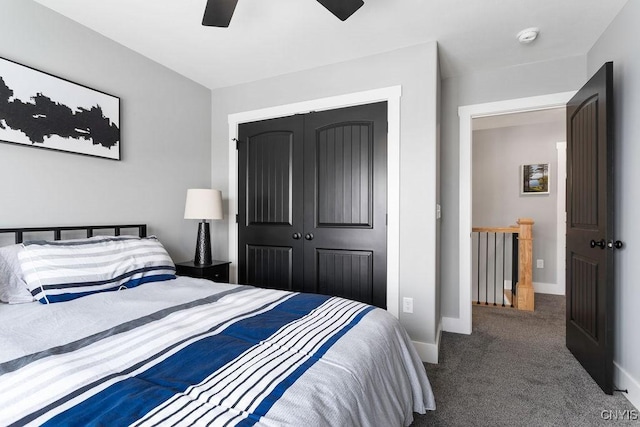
521	81
617	45
497	155
415	68
165	121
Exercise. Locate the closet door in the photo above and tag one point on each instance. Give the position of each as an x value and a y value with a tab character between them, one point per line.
345	160
312	203
270	203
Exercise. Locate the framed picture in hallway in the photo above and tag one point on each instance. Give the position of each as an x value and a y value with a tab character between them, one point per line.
534	178
40	110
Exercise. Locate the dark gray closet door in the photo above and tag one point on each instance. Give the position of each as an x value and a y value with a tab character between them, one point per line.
270	203
346	203
313	203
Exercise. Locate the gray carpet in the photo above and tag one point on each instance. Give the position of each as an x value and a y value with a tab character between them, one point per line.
514	370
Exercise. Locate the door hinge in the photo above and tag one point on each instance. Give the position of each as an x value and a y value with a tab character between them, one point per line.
237	143
236	218
386	219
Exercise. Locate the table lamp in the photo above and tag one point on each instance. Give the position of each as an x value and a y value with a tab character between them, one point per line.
203	204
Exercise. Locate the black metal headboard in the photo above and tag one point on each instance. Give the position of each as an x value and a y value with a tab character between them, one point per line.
57	231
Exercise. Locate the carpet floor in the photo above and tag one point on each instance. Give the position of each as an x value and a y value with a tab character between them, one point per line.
515	370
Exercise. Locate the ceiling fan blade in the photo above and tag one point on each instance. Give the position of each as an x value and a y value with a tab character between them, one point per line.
218	13
342	8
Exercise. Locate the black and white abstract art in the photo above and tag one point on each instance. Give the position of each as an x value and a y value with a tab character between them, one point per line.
41	110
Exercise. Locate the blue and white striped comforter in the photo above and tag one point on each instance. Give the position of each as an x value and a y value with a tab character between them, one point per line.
230	356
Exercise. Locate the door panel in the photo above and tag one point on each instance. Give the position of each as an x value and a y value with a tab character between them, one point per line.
269	186
346	274
270	267
270	203
344	175
590	198
346	202
584	159
583	306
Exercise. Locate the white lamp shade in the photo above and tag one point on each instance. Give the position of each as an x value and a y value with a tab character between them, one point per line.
203	204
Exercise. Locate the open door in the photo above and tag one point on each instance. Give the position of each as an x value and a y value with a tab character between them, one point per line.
590	245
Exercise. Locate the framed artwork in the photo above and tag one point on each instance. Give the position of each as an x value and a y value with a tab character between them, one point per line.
40	110
534	179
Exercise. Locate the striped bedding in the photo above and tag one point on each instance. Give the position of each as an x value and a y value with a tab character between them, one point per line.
60	271
190	352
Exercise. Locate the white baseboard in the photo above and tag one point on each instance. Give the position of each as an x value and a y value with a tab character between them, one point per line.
548	288
622	380
541	288
428	352
456	325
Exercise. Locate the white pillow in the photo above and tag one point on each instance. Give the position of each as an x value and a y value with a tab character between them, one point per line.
69	269
13	288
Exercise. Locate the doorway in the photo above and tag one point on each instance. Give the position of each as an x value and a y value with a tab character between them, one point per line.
462	324
501	146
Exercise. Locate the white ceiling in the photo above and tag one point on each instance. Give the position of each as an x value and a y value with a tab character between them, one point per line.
272	37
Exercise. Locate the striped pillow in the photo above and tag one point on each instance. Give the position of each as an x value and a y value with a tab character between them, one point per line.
65	270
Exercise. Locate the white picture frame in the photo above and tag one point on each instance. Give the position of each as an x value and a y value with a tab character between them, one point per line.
534	179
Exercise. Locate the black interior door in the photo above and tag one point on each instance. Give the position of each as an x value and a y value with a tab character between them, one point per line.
590	279
312	203
270	203
346	203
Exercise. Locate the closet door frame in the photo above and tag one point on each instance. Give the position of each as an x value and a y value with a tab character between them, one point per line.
392	96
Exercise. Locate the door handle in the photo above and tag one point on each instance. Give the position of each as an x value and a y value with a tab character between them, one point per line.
601	244
615	245
296	236
309	236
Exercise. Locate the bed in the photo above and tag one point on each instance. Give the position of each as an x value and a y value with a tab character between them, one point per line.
144	347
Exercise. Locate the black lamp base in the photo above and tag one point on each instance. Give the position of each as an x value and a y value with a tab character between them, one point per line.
203	245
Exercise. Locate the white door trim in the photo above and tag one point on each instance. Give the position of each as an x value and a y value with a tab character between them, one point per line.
467	113
561	239
390	94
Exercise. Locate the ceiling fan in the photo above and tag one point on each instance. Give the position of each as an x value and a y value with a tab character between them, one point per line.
218	13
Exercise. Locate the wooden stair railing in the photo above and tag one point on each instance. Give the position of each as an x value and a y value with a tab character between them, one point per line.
524	296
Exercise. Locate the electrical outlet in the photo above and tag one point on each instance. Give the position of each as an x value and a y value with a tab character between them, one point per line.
407	305
539	263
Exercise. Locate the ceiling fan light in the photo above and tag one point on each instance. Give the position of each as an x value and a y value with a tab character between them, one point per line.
342	9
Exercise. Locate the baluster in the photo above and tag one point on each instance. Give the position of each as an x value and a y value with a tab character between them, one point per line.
495	265
478	263
514	266
504	249
486	269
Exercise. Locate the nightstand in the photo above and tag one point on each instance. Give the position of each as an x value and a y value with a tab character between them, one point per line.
218	271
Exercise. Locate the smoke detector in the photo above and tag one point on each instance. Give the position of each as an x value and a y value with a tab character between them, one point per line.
528	35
